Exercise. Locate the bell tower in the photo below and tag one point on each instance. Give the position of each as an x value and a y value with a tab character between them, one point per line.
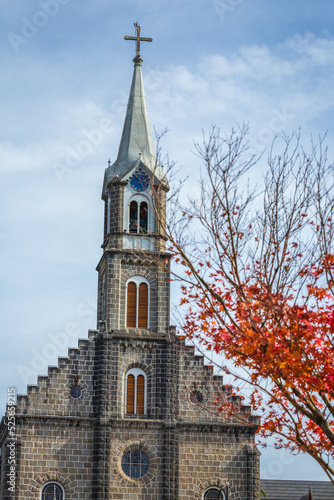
133	290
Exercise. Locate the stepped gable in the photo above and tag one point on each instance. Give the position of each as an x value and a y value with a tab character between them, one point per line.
201	388
51	396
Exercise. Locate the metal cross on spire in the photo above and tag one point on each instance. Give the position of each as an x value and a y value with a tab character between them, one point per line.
138	38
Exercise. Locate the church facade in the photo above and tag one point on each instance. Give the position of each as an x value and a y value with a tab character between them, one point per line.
125	415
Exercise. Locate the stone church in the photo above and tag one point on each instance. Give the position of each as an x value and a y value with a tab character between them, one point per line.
125	414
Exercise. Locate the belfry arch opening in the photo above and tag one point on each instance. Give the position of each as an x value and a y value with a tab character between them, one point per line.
138	215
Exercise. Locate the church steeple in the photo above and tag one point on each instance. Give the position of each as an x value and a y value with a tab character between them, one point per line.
137	137
136	145
134	268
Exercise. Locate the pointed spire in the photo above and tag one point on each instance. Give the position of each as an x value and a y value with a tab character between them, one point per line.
136	144
137	136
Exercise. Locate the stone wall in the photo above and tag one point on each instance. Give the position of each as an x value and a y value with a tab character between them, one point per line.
79	442
52	394
54	449
116	269
211	456
145	436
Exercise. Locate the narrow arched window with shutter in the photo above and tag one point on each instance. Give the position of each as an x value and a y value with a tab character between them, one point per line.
137	303
135	396
140	395
130	394
131	317
142	305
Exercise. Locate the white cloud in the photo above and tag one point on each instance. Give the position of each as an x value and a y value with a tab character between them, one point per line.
273	89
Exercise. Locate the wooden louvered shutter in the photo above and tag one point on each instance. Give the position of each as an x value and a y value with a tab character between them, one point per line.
143	305
140	395
131	305
130	394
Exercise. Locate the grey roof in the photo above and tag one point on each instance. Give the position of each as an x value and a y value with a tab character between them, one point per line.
295	490
136	143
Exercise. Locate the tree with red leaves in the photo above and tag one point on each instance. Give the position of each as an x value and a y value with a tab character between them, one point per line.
259	283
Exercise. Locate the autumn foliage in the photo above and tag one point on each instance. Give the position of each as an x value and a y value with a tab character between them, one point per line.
275	339
258	284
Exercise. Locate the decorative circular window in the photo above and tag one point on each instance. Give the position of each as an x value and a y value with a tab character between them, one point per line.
196	397
135	464
75	393
214	494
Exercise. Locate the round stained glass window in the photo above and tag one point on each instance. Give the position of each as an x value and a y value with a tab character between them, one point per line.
75	392
196	397
135	464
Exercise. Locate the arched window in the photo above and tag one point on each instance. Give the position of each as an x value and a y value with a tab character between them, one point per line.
135	392
214	494
52	491
138	216
137	303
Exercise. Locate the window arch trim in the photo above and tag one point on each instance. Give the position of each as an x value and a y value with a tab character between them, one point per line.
55	483
214	488
138	280
136	372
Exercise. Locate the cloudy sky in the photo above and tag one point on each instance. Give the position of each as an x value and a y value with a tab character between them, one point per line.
65	75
